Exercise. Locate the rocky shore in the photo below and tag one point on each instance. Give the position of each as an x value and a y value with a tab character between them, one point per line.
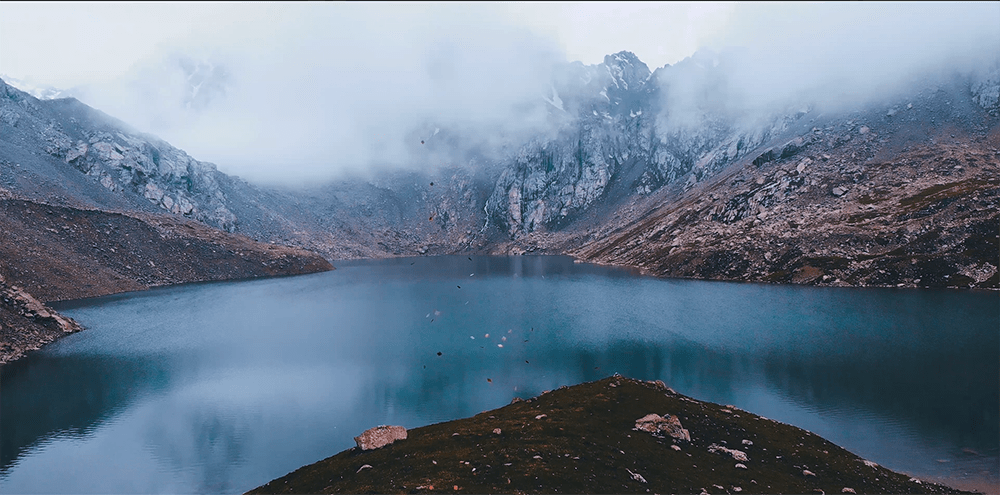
615	435
53	253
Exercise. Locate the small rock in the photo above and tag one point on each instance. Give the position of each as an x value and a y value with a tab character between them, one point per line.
739	455
496	430
870	464
847	490
914	480
864	129
366	466
675	447
806	472
636	476
747	442
839	191
737	489
741	466
541	416
380	436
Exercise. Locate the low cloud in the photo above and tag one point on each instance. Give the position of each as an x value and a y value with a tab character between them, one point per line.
306	91
320	89
833	55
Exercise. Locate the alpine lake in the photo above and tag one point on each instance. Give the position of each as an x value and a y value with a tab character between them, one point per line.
222	387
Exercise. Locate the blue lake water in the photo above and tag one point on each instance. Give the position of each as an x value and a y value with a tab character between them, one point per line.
219	388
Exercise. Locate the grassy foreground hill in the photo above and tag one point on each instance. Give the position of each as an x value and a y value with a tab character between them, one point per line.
583	439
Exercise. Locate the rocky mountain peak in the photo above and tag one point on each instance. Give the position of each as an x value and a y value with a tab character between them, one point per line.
626	70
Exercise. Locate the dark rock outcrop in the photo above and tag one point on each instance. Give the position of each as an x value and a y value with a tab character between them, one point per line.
26	323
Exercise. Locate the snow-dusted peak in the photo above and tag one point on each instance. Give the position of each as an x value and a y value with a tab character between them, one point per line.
626	70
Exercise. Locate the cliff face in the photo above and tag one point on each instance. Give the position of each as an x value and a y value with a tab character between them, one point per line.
47	141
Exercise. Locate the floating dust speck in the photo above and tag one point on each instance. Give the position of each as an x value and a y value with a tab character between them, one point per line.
489	380
499	345
439	353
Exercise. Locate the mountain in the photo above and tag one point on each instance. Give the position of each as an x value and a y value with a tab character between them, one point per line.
88	208
676	171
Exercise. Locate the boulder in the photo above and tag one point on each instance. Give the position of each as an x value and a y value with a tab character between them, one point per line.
659	425
380	436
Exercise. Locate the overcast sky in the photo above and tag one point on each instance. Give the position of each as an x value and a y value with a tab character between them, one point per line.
311	88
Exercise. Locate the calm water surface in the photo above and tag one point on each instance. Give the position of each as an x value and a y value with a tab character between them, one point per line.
222	387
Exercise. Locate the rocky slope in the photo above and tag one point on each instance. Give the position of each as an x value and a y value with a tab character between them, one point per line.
51	253
870	199
588	439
